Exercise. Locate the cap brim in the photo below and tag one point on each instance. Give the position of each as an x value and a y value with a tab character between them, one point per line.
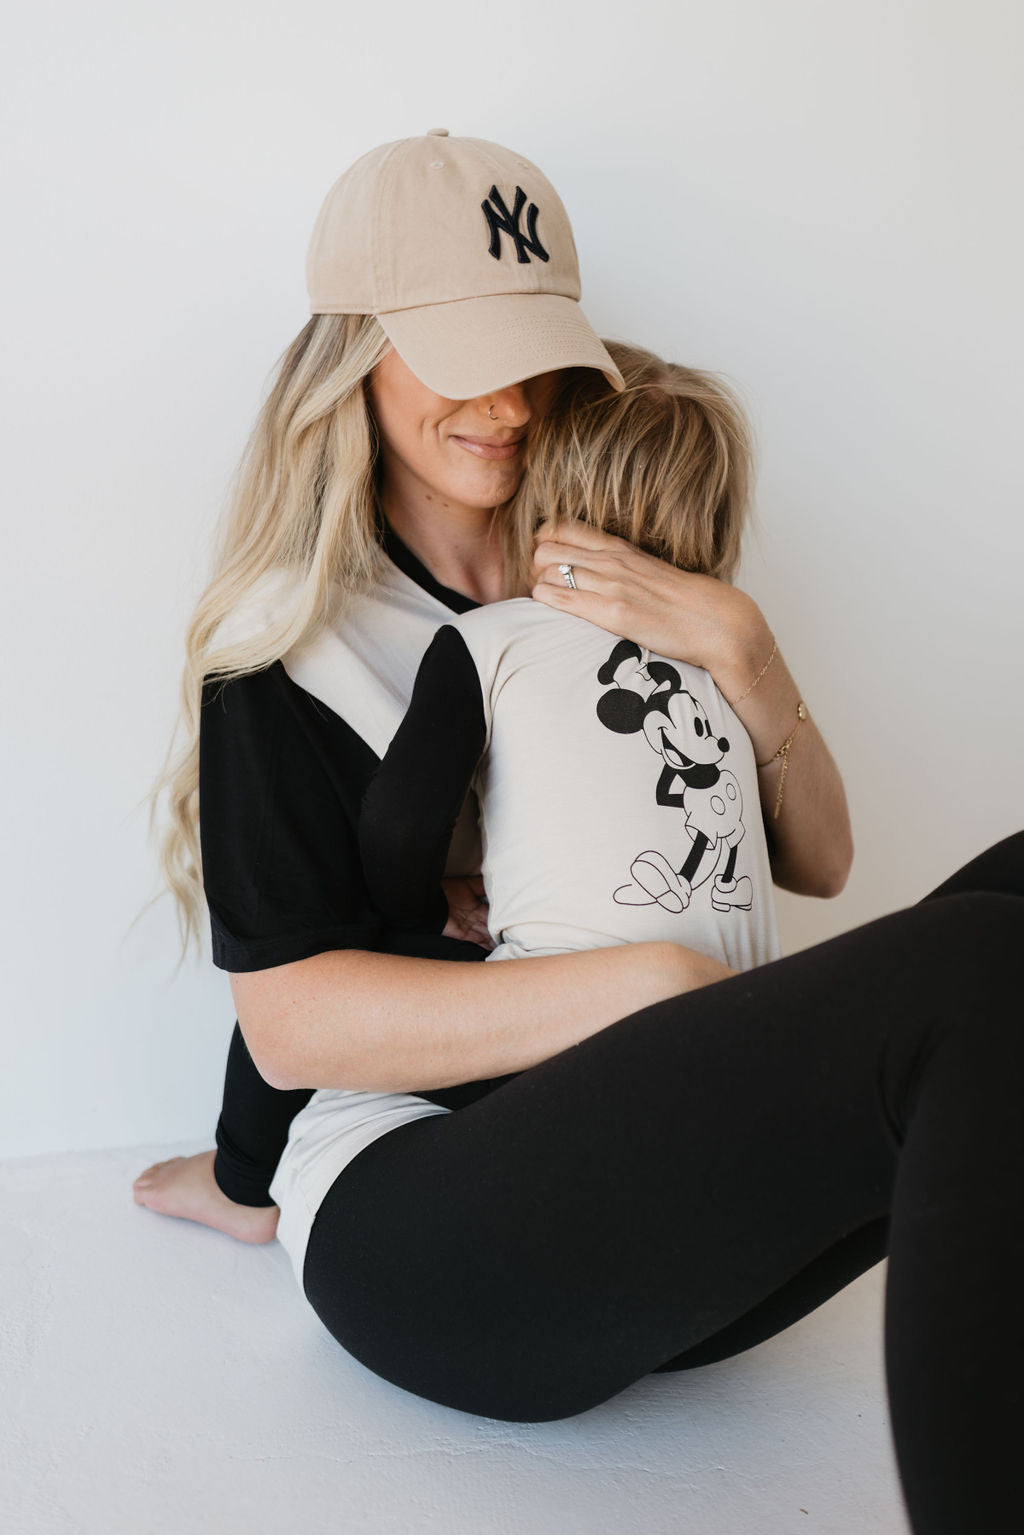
476	346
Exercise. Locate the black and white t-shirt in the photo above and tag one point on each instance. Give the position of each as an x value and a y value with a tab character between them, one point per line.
288	754
618	792
285	757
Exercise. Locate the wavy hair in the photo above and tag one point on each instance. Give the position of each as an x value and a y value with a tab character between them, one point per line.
667	463
300	534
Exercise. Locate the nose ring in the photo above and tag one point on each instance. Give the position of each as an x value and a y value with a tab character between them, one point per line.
489	410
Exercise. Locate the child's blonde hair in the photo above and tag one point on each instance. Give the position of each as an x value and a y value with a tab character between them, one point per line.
667	464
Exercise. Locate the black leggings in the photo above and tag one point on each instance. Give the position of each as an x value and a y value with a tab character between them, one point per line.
687	1182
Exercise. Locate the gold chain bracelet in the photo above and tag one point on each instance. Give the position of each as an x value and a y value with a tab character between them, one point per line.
783	752
757	679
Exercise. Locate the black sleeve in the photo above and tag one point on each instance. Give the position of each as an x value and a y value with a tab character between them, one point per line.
280	777
410	808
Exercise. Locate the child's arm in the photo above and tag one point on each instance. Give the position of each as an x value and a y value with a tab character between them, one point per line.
410	808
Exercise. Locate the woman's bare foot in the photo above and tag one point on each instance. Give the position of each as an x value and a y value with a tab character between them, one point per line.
186	1187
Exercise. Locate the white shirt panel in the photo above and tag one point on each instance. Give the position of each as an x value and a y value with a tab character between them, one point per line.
574	840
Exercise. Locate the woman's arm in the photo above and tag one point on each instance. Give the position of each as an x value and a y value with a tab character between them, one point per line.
810	841
709	624
356	1019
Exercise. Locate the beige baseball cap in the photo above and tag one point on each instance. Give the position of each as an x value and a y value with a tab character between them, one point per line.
464	252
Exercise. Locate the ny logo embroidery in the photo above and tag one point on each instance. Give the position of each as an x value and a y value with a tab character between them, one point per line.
500	221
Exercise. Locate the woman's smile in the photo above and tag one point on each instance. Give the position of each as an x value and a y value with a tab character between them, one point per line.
490	447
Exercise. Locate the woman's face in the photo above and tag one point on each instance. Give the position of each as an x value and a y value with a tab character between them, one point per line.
452	449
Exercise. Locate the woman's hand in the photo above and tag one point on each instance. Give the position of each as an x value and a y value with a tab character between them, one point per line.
707	623
686	617
468	909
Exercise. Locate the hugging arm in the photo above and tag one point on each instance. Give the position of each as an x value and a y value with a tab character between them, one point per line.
328	992
410	808
705	621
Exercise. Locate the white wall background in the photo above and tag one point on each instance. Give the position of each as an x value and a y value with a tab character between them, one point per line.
820	201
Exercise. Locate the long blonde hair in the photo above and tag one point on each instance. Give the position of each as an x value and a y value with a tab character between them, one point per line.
667	463
301	524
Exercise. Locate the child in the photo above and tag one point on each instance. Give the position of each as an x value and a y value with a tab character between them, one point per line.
618	790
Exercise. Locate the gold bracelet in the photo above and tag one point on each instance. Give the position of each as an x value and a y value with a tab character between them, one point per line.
783	752
760	674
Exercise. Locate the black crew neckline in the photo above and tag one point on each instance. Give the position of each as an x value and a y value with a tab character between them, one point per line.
401	555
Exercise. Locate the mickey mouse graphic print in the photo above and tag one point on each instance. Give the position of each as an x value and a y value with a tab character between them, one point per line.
617	792
649	696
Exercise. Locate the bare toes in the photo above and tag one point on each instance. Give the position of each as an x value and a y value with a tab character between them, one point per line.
149	1175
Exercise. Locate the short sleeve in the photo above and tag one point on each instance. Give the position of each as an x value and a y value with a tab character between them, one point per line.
281	778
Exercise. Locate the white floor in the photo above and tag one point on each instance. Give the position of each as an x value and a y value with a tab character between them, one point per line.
160	1379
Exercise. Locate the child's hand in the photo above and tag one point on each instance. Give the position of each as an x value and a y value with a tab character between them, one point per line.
467	910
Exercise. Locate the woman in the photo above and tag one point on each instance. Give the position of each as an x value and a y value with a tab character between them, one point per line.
487	1216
